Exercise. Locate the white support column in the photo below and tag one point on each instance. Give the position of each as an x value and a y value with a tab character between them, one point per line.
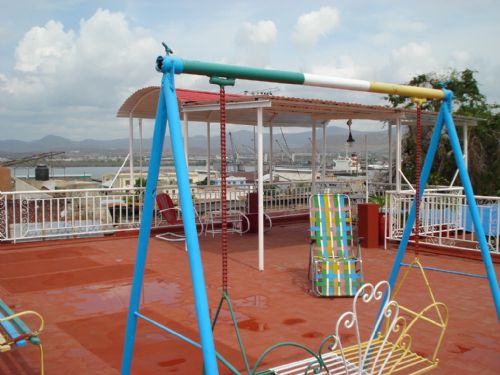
255	153
209	156
185	136
398	154
323	154
465	152
260	194
131	150
140	149
367	181
466	146
313	157
271	152
390	153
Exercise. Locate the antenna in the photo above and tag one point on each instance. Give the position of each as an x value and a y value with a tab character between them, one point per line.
262	92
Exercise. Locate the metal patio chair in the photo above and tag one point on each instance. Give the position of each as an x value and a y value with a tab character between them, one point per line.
172	214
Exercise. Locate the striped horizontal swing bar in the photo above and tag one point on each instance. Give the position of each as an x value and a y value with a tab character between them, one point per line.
297	78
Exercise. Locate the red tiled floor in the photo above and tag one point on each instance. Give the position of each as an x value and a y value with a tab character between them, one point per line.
44	281
10	270
86	315
40	252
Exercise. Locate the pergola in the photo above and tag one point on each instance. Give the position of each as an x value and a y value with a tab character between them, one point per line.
267	111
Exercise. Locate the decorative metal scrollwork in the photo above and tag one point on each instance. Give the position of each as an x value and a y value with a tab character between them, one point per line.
3	217
25	216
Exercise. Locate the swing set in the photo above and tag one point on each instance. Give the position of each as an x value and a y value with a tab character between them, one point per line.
367	355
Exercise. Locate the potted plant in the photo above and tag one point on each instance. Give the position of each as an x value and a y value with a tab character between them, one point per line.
379	200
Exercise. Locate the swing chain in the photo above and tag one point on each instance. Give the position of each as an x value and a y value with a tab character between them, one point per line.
222	82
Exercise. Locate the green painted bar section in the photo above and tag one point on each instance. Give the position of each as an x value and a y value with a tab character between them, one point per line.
242	72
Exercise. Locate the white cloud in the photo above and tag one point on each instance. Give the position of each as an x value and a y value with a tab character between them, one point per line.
381	38
410	60
43	48
261	33
460	59
59	71
343	66
256	41
3	81
405	25
312	26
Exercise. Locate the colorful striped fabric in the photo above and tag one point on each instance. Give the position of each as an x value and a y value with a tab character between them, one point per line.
331	225
335	269
338	277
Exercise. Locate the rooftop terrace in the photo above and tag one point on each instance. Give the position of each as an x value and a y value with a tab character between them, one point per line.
81	287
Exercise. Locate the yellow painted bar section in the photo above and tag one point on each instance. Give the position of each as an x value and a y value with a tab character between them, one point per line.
411	91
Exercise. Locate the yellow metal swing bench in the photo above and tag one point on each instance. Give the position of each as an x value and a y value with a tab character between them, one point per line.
388	350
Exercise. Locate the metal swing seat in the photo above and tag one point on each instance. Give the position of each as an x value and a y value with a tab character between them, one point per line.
390	346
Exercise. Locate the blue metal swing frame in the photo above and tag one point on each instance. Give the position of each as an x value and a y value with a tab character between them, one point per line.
167	110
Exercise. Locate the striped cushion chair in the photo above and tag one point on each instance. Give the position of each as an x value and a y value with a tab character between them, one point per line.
335	263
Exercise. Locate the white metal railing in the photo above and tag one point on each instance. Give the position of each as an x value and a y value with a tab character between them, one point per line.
37	214
33	215
445	219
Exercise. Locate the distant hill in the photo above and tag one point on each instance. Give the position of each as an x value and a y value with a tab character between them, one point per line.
243	139
56	143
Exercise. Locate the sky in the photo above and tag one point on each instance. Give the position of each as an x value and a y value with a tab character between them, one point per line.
66	66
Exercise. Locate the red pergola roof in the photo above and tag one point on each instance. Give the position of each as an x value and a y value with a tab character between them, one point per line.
284	111
187	96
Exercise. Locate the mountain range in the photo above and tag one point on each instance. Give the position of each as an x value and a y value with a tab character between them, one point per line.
243	141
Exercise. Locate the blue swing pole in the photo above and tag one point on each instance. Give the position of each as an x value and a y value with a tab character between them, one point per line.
167	109
424	176
469	193
144	231
444	117
188	218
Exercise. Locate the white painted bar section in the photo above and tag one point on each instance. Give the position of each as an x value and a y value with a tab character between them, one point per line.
336	82
131	149
260	194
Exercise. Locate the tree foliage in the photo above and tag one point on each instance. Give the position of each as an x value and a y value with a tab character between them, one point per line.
484	139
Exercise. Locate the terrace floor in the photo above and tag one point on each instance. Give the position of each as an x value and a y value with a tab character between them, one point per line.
81	287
